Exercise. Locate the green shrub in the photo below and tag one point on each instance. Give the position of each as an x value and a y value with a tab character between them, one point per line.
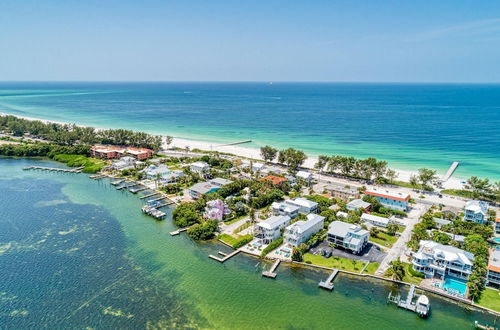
414	273
273	245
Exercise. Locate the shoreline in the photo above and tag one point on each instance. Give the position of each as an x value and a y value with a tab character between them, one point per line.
237	150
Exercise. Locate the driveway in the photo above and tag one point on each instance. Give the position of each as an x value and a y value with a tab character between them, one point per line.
371	252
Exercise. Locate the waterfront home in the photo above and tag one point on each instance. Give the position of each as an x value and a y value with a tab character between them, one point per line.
299	232
305	206
341	191
216	210
341	214
441	222
270	229
305	175
171	177
273	179
154	171
220	182
497	223
375	220
199	167
476	211
115	152
358	204
493	273
124	163
347	236
201	189
440	261
390	199
282	208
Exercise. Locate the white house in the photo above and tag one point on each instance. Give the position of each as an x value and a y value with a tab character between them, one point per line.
497	223
202	188
347	236
390	199
282	208
375	220
341	214
305	175
357	204
493	273
199	167
476	211
153	171
299	232
438	261
270	229
305	206
258	167
124	163
220	182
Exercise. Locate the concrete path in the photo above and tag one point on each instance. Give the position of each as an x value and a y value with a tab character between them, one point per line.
400	246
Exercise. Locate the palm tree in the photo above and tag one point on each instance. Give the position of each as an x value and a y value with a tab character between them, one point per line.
396	270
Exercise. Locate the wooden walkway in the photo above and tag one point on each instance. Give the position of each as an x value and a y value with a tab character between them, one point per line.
117	182
55	169
136	190
97	176
226	257
271	273
149	195
450	171
177	232
407	304
328	284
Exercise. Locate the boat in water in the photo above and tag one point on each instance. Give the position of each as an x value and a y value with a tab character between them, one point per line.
423	306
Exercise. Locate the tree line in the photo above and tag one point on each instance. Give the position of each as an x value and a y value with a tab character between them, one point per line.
71	134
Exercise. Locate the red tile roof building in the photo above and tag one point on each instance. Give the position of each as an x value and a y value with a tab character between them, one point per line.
115	152
275	180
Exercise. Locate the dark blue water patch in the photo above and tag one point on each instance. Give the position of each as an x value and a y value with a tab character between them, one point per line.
65	265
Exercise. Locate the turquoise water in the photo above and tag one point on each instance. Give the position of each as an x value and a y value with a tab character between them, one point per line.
76	253
410	125
454	285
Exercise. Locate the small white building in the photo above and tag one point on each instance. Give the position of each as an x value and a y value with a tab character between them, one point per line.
299	232
124	163
341	214
270	229
375	220
220	182
348	236
476	211
154	171
357	204
304	175
258	167
199	167
305	206
282	208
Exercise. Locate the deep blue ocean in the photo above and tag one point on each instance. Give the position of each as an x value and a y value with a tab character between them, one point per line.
409	125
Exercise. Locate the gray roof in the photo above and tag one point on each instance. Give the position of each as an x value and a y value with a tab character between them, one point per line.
341	188
202	187
341	229
441	222
358	204
221	181
312	220
274	221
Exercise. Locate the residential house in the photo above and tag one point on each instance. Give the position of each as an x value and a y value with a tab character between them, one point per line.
307	176
199	167
258	167
155	171
282	208
497	223
375	220
392	200
358	204
441	222
347	236
299	232
342	191
270	229
493	273
440	261
202	188
449	212
216	210
305	206
476	211
341	214
274	180
220	182
123	163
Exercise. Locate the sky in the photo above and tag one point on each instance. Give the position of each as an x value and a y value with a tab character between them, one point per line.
341	41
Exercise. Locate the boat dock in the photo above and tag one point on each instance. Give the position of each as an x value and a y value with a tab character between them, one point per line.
149	195
408	304
136	190
270	273
97	176
177	232
450	171
155	213
328	284
226	256
117	182
55	169
126	185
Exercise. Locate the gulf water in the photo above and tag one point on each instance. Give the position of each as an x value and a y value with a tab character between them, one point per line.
76	253
409	125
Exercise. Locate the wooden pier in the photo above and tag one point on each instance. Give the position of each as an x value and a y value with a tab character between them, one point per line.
117	182
97	176
226	257
149	195
177	232
271	273
450	171
136	190
328	284
55	169
408	303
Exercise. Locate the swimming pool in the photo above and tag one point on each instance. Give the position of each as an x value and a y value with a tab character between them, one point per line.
454	286
496	240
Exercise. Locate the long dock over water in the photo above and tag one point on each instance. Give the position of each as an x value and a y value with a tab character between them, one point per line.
177	232
328	284
55	169
226	256
450	171
149	195
271	272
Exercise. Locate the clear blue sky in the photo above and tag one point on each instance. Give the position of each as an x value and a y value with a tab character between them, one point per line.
209	40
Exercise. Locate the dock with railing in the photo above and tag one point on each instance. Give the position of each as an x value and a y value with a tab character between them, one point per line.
226	256
328	284
271	272
55	169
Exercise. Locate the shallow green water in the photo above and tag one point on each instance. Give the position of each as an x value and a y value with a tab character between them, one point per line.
77	253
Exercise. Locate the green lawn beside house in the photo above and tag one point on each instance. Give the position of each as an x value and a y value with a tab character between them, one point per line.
334	262
384	239
490	298
371	268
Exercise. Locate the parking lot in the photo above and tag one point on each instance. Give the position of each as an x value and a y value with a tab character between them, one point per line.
371	252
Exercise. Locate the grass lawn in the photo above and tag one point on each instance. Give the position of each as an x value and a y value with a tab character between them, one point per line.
403	184
334	262
490	299
237	241
408	277
91	165
227	238
384	239
371	268
235	219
